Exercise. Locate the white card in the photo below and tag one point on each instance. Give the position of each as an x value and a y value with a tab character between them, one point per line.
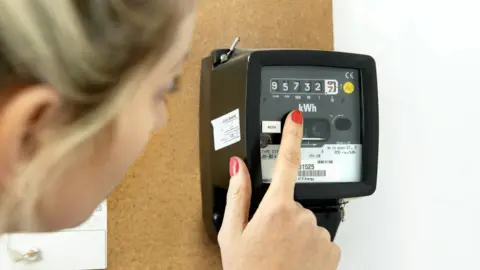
80	248
226	129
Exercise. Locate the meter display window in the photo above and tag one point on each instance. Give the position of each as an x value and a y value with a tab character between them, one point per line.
330	101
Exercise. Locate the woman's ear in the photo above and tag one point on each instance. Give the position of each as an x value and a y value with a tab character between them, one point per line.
23	114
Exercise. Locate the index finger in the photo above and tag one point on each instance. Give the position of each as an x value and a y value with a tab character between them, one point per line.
289	156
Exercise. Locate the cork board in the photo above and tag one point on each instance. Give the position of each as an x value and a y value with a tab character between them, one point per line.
155	215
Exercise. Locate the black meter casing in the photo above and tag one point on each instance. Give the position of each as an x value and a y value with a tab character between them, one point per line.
337	93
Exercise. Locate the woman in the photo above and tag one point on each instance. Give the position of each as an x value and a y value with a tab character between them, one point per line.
81	89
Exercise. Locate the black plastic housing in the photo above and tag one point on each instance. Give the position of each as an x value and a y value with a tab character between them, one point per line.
236	84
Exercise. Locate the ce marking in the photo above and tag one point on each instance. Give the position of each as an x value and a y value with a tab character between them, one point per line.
349	75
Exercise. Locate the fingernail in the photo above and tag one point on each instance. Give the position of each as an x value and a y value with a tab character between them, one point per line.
297	117
233	166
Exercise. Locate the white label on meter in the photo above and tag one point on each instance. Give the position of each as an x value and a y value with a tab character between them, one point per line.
332	163
271	127
226	130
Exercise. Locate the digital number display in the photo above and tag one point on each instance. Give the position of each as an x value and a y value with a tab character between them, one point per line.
305	86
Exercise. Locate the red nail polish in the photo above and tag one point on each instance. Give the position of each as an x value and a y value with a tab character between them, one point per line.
297	117
233	166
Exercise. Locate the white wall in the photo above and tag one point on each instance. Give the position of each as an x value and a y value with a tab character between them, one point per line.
425	214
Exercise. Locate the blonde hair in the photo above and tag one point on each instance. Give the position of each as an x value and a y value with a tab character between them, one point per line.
93	52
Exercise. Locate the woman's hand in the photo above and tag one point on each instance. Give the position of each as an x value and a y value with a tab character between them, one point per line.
282	235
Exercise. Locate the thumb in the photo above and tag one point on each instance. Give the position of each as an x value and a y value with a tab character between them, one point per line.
238	199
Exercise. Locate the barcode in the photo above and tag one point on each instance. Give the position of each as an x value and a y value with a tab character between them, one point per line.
312	173
325	162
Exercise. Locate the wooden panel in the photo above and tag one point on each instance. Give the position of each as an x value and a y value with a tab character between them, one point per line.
155	215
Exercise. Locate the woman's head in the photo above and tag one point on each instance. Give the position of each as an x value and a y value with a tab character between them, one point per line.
82	84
